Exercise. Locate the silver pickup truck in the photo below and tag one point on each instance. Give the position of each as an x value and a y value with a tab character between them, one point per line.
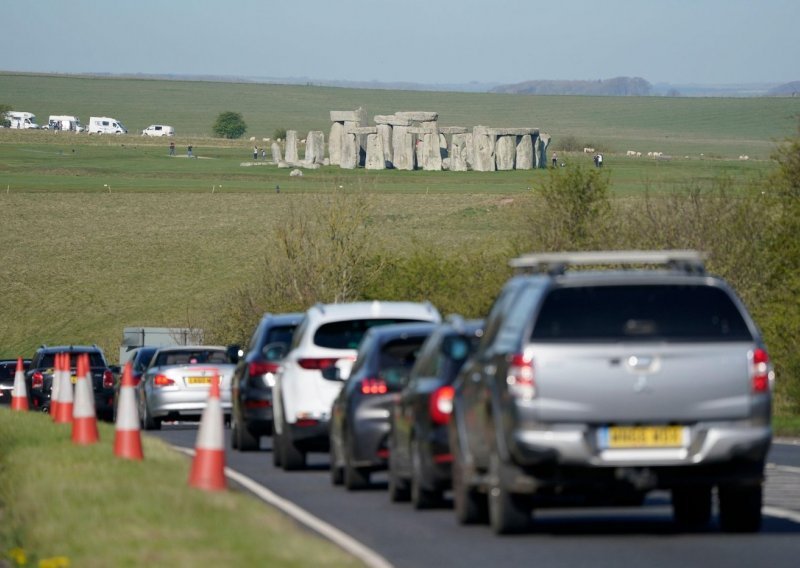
595	386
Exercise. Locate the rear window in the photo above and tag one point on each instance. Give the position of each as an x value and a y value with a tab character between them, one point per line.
191	357
95	359
348	334
279	334
640	313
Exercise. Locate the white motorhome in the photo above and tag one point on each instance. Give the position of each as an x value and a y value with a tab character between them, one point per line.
64	122
21	120
158	130
106	125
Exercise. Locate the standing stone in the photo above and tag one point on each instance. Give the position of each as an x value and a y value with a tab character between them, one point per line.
431	151
291	146
525	159
350	151
542	142
403	147
385	132
483	148
505	152
375	159
315	147
276	153
335	143
458	153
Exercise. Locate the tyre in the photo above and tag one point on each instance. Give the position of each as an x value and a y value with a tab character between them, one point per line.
508	513
469	505
148	421
292	459
276	449
354	477
234	436
398	487
421	498
691	506
337	474
247	441
740	508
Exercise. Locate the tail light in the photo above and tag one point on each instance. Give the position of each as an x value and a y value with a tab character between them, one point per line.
37	380
262	368
441	405
520	377
162	381
374	386
108	379
761	372
317	364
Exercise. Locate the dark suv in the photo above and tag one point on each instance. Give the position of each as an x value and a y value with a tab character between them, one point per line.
598	386
8	371
39	377
254	377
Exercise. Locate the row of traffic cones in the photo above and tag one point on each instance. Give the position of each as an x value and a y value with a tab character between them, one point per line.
208	466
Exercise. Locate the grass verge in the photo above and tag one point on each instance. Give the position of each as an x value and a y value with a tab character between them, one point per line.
60	501
786	425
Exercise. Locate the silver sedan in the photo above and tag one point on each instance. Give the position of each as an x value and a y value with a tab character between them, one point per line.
176	383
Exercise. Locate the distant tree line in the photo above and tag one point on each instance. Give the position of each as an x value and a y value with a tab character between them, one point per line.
618	86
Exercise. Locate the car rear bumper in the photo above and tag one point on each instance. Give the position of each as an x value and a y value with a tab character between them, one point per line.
311	435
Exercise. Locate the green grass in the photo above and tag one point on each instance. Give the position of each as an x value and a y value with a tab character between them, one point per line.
82	503
786	425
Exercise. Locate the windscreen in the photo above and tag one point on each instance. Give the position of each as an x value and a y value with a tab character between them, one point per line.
348	334
640	313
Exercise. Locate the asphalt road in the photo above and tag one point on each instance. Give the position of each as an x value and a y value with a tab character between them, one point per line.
566	538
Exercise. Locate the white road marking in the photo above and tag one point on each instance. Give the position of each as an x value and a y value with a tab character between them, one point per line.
782	513
784	468
340	538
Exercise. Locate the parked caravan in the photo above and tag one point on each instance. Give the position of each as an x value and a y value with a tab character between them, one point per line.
106	125
64	122
21	120
158	130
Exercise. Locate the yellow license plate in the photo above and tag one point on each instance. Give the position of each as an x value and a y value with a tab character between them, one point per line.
74	379
642	437
199	380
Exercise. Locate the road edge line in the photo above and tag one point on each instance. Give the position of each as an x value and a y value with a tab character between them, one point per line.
781	513
326	530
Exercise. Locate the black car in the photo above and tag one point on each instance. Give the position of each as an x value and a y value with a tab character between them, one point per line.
254	377
359	429
8	370
419	449
39	377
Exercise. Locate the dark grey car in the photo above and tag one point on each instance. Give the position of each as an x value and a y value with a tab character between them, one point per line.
593	386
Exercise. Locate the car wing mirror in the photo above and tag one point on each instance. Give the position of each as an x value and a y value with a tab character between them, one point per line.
234	353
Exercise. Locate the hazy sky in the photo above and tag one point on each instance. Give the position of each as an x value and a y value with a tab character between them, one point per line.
423	41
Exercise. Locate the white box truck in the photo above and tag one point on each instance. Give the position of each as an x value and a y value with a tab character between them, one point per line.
21	120
65	122
106	125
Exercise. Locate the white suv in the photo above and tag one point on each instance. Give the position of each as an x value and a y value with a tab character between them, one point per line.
328	336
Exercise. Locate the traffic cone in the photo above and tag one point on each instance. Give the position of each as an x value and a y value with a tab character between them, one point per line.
127	438
65	395
19	396
55	385
84	420
208	466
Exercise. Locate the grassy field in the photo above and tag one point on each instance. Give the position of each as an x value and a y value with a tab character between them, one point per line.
86	506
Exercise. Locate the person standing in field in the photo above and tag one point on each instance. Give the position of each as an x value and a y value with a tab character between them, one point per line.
263	153
172	148
255	152
189	151
555	160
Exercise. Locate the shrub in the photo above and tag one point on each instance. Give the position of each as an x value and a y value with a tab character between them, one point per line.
279	134
229	125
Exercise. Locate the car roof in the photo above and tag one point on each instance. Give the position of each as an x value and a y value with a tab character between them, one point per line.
394	330
169	348
72	348
375	309
283	319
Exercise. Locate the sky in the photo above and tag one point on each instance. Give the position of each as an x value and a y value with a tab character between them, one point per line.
711	42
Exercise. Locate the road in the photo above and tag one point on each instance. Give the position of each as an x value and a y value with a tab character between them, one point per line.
565	538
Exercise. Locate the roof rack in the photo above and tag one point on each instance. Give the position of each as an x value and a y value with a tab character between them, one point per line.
689	261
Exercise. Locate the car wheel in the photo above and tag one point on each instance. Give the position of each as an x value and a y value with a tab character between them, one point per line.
292	459
398	487
740	508
421	498
247	441
508	513
276	449
337	474
691	506
234	435
469	505
354	477
148	421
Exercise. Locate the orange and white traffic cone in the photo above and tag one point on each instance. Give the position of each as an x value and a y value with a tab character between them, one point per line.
65	395
127	437
55	385
84	419
19	396
208	466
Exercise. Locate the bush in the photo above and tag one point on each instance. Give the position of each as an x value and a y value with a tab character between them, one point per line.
229	125
279	134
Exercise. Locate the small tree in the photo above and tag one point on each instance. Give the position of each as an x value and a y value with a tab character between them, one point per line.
230	125
3	119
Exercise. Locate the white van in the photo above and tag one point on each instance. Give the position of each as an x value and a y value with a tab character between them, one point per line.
106	125
21	120
64	122
158	130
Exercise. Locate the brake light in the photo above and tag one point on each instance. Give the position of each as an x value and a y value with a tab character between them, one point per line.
37	380
520	377
761	372
262	368
162	381
317	364
374	386
441	405
108	379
